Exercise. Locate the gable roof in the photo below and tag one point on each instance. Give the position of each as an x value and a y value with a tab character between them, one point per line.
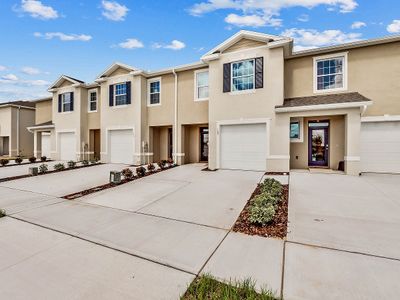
57	83
26	104
114	67
244	34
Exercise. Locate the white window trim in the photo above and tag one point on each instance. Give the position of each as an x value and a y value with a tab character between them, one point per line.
254	77
148	91
300	139
115	94
196	94
89	100
345	73
62	103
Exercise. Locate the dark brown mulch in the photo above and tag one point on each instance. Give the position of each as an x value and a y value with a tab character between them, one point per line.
277	228
26	163
276	173
109	185
48	172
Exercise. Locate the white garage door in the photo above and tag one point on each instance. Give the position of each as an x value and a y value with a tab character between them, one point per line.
67	146
121	146
243	147
380	147
46	144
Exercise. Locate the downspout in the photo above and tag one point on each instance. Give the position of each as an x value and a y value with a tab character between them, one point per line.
175	136
18	121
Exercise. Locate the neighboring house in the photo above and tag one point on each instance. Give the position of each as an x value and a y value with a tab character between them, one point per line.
251	103
15	139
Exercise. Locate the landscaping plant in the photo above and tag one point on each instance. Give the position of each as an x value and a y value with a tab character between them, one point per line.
2	213
59	167
4	162
32	159
43	158
43	168
207	287
71	164
85	162
127	173
140	171
261	214
151	168
272	187
18	160
162	164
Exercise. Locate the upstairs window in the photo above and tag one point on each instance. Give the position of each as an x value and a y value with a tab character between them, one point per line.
120	94
330	73
66	101
243	75
201	89
92	101
154	96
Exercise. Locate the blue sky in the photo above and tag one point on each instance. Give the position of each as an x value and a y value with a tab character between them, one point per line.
40	40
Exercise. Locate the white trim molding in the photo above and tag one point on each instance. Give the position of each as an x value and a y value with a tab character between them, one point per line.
89	100
352	158
149	82
323	106
384	118
343	55
196	88
278	157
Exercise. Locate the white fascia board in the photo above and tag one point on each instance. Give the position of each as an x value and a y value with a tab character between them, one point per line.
322	106
384	118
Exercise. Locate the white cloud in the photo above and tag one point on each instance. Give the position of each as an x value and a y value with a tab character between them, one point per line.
63	37
131	44
37	82
247	20
3	68
37	9
358	25
264	10
303	18
309	38
174	45
394	27
9	77
114	11
30	71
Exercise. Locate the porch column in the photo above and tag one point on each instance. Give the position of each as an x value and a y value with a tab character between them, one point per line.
37	144
179	152
352	143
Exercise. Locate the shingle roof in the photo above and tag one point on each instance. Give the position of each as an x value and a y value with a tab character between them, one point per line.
19	103
323	99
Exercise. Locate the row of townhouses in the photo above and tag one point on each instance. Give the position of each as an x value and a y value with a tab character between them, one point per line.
251	103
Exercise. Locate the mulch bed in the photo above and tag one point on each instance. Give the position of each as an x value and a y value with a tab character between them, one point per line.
277	228
26	163
48	172
109	185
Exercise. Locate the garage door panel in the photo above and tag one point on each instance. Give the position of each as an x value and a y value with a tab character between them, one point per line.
67	143
380	147
243	146
121	146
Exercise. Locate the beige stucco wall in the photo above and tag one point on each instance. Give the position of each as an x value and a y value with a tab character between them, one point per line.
299	150
373	71
43	111
258	104
162	115
244	44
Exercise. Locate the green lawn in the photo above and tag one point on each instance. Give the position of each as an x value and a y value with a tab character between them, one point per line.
206	287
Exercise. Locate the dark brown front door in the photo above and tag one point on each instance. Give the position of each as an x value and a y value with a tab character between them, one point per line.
318	144
170	143
204	144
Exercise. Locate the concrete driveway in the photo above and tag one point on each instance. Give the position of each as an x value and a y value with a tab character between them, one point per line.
343	240
18	170
67	182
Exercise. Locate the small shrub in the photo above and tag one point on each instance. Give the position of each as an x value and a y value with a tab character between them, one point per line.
43	168
140	171
127	173
18	160
71	164
151	168
59	167
264	199
4	162
170	161
43	158
85	162
32	159
162	164
272	187
93	161
261	215
2	213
